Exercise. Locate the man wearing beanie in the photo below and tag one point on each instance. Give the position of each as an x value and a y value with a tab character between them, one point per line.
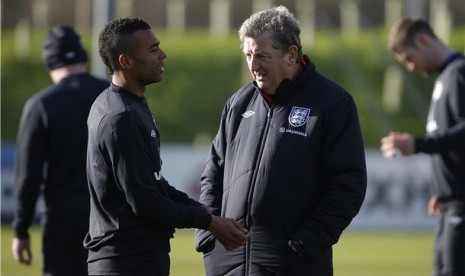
51	157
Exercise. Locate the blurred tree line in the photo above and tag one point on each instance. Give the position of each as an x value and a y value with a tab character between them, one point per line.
201	73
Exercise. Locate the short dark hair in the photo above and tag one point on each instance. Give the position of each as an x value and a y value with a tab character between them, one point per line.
278	22
402	33
116	38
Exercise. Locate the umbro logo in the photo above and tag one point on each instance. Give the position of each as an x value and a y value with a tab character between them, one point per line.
153	134
248	114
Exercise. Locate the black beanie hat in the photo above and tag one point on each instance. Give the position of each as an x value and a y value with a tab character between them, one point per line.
63	47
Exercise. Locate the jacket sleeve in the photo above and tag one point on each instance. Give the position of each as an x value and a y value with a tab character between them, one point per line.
451	138
344	183
178	195
212	183
31	148
148	197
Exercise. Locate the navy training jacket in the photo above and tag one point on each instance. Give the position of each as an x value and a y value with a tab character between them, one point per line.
293	173
446	132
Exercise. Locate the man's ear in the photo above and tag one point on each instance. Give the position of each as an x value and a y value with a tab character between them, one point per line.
422	39
125	61
292	54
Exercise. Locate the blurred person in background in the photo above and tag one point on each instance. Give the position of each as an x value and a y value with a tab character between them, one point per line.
134	210
414	44
51	158
288	161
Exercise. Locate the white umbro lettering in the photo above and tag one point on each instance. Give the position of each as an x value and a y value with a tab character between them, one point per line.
158	175
248	114
296	132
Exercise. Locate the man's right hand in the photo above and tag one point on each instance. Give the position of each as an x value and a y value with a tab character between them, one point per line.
228	231
397	143
21	249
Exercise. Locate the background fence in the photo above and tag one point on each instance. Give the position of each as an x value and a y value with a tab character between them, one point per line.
397	195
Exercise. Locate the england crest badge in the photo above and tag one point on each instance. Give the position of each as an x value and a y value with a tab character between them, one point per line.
298	116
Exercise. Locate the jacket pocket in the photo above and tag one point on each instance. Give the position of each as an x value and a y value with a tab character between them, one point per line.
204	241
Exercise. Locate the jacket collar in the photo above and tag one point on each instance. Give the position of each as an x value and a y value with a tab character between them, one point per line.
449	59
118	89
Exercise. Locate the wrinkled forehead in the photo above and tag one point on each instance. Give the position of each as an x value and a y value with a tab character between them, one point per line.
263	42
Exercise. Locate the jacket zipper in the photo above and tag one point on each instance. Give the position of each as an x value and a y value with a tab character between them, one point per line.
248	219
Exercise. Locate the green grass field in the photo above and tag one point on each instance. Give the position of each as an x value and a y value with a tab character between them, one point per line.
358	253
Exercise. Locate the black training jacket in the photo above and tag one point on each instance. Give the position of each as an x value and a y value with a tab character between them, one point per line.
133	208
293	174
446	131
51	155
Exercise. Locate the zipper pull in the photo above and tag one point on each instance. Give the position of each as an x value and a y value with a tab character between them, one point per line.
270	110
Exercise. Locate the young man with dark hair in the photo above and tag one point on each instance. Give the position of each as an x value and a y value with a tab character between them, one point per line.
134	211
413	43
